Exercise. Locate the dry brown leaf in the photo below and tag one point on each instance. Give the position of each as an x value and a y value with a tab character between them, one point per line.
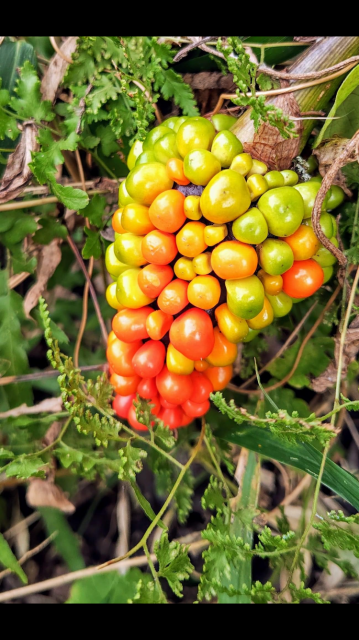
18	174
328	379
268	144
52	405
42	493
49	260
327	154
57	69
209	80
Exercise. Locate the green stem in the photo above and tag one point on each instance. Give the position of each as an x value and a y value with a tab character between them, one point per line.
103	164
152	568
218	468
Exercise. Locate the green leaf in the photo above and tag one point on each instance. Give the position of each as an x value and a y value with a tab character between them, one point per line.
171	85
95	211
8	124
29	103
6	455
50	230
109	144
8	560
175	565
314	361
348	115
110	588
145	504
148	592
93	247
13	55
45	162
23	469
131	462
73	199
66	543
302	456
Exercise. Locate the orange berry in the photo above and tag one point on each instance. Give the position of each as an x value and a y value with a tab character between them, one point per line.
173	298
175	170
167	212
234	260
201	366
120	356
136	219
204	292
190	240
273	285
153	279
224	353
125	386
129	325
220	377
159	248
304	243
158	325
117	221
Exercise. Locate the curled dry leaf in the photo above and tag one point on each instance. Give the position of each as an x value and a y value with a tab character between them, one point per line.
42	493
18	174
49	260
52	405
328	379
57	69
327	154
268	144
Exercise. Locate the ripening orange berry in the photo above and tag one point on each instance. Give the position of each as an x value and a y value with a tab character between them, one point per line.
224	353
175	170
167	212
220	377
159	248
234	260
304	243
158	324
117	221
204	292
153	279
190	240
174	298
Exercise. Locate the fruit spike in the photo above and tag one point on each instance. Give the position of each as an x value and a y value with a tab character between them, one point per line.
210	249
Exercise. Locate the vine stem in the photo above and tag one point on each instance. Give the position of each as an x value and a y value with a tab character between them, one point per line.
58	50
33	377
166	505
218	468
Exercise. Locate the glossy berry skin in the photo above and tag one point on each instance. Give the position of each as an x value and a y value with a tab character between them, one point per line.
273	285
233	328
192	334
264	319
283	210
175	123
175	170
291	178
134	154
204	292
326	223
259	168
156	134
154	278
304	243
251	228
223	122
193	410
252	335
242	164
224	352
113	265
336	198
174	298
124	197
178	363
281	304
225	198
129	325
166	148
147	157
274	179
202	388
257	186
158	324
203	264
201	366
234	260
136	220
192	208
303	280
120	356
184	269
117	221
125	386
245	298
147	388
215	234
200	167
111	297
324	257
174	388
172	418
309	192
147	181
129	293
275	257
219	377
149	359
226	147
159	248
122	406
190	240
195	133
167	212
328	274
128	250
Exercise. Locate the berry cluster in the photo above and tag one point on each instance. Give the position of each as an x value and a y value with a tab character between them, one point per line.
198	268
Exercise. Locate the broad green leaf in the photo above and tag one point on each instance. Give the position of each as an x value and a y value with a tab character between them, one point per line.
6	455
109	588
8	123
66	542
8	560
348	115
42	45
95	211
50	229
301	456
25	468
13	56
73	199
314	361
93	247
29	103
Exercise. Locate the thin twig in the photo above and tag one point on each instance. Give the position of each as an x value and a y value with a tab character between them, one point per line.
91	287
58	50
31	554
20	526
40	202
194	45
41	375
284	75
352	428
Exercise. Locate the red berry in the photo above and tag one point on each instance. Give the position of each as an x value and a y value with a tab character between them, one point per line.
122	406
174	388
192	334
202	388
147	388
193	410
172	418
149	359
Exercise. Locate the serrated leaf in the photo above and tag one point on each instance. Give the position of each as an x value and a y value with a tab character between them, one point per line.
45	162
23	469
171	85
110	588
109	144
29	103
315	359
95	211
131	462
148	592
175	565
69	457
8	124
93	247
8	560
50	230
73	199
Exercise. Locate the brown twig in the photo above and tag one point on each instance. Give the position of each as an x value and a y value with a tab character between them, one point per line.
352	428
58	50
350	150
31	554
307	339
194	45
41	375
83	108
284	75
91	288
40	202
